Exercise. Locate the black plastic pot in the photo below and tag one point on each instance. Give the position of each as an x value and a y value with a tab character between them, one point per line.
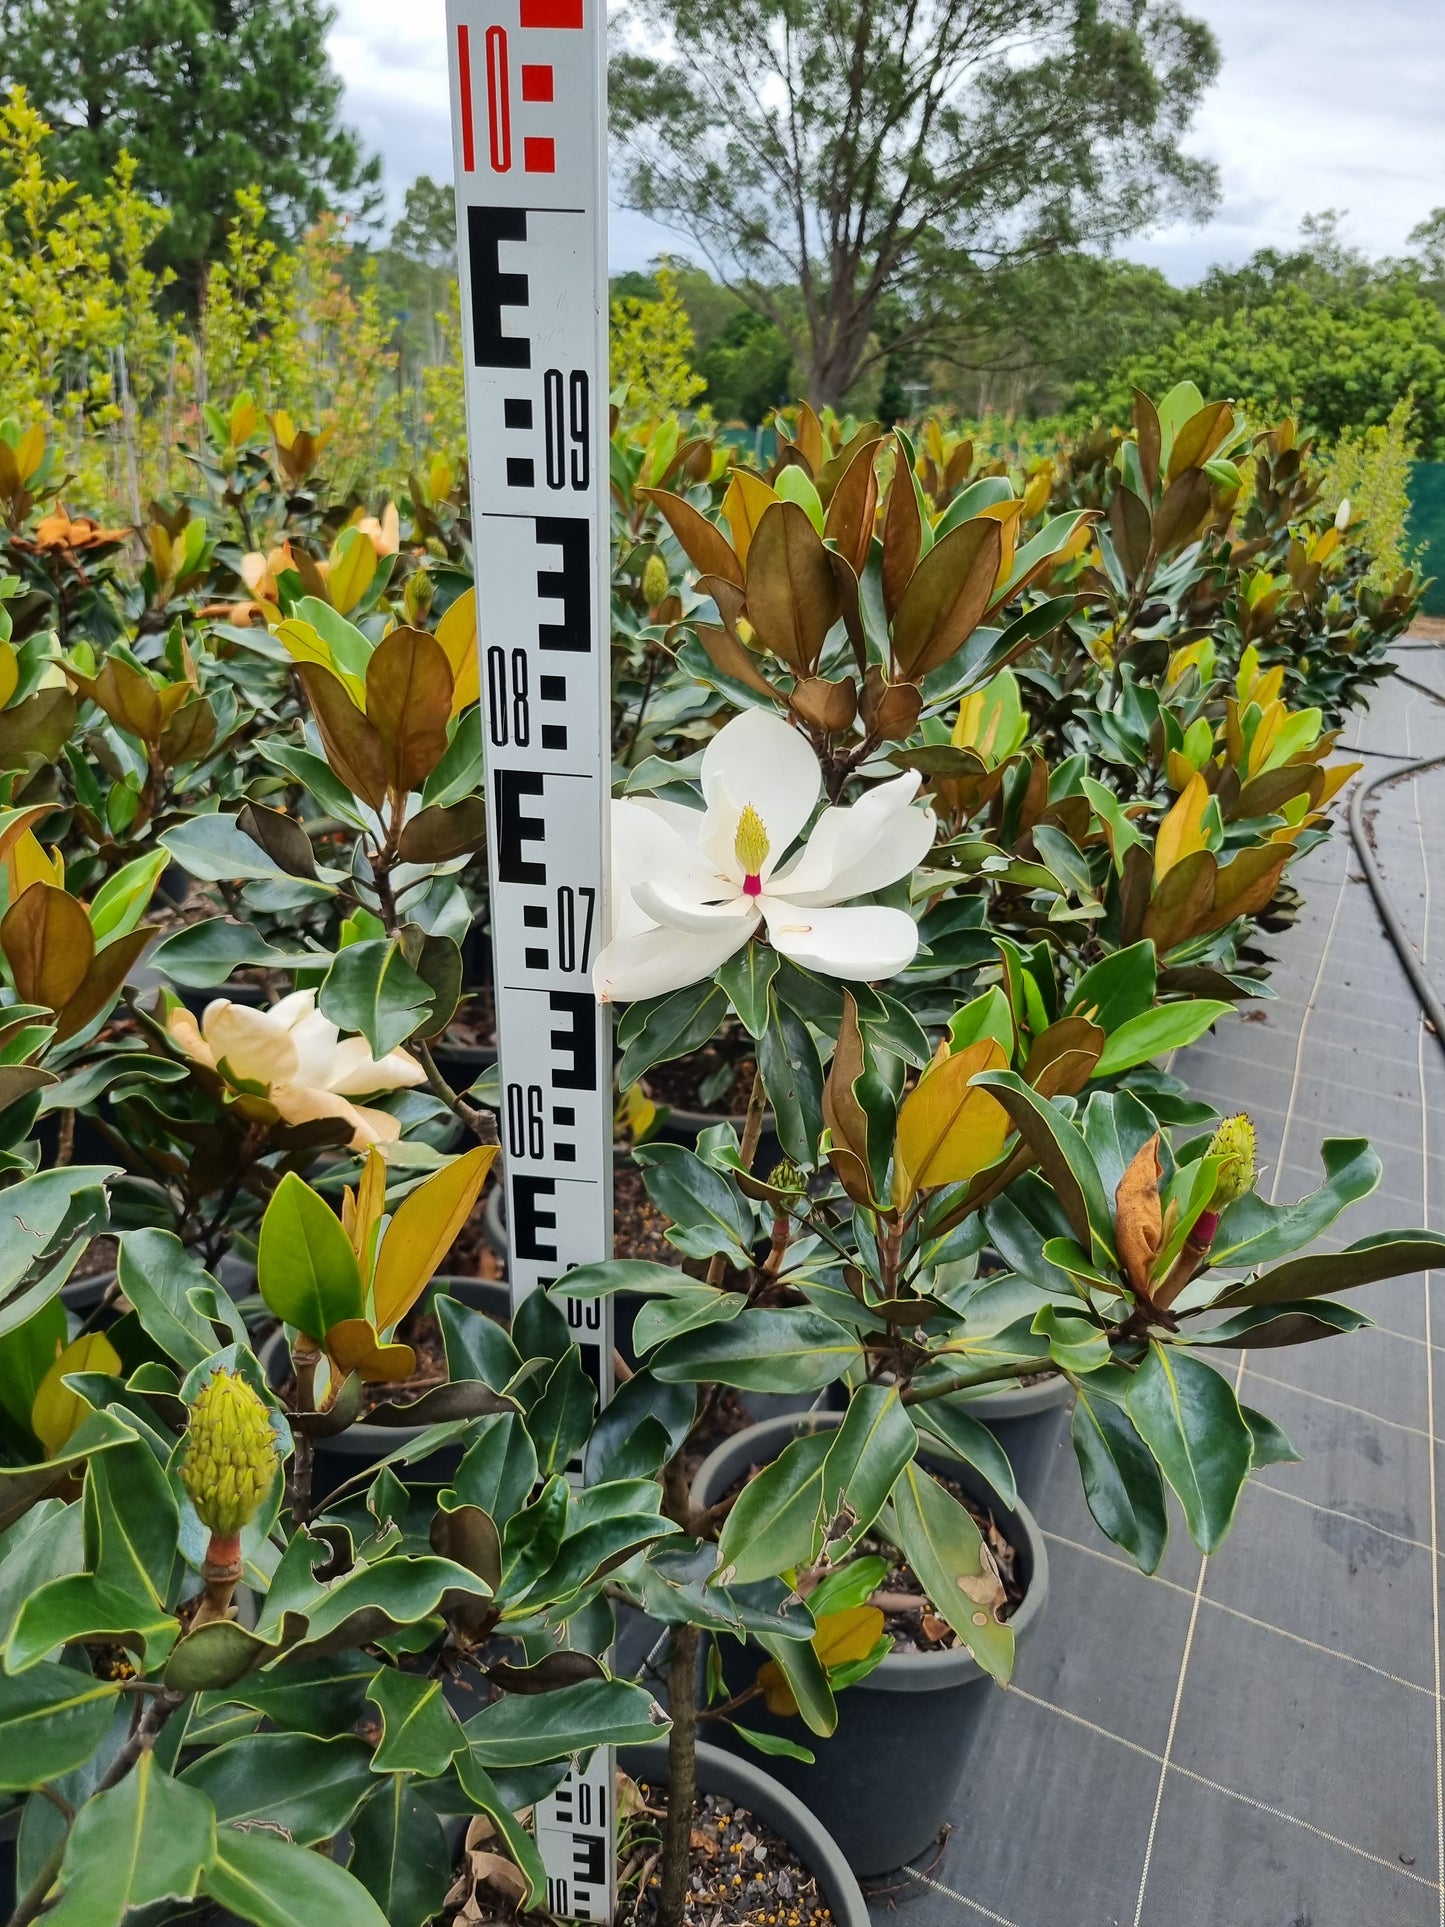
884	1783
344	1454
760	1794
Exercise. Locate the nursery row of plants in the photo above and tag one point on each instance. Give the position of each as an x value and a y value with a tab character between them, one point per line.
951	800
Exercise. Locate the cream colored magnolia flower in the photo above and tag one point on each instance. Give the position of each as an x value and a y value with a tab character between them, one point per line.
689	887
299	1059
384	532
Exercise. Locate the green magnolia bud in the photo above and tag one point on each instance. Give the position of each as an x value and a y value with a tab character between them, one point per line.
655	581
416	597
785	1176
230	1454
1234	1143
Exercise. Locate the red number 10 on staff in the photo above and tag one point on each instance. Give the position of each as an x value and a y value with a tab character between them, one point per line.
536	86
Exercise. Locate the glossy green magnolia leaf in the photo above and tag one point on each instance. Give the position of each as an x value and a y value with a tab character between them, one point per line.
745	977
774	1745
709	1215
950	1420
938	1538
132	1522
81	1607
82	1088
498	1469
39	1216
419	1731
306	1786
1188	1416
1064	1157
1122	1483
203	955
561	1418
156	1274
266	1880
684	1311
793	1080
373	1602
539	1328
635	1275
372	988
26	1355
869	1451
1165	1028
1254	1232
319	1696
585	1557
640	1428
400	1854
213	848
775	1520
534	1536
1076	1344
486	1797
306	1269
1391	1254
655	1031
24	1486
1262	1327
1118	989
144	1840
476	1346
47	1543
1272	1445
526	1729
788	1350
807	1680
52	1718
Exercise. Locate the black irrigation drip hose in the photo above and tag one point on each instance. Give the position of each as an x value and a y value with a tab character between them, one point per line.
1424	990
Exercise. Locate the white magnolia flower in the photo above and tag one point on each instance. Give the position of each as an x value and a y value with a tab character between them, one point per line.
299	1059
689	887
1342	515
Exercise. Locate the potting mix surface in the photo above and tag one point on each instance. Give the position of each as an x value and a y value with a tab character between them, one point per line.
741	1870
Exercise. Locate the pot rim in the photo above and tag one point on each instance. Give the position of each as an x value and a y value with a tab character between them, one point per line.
749	1786
1015	1401
909	1672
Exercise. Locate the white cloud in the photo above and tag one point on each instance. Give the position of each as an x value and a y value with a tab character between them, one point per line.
1321	103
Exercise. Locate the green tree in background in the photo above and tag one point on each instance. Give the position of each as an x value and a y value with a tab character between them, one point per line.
1319	329
207	95
855	148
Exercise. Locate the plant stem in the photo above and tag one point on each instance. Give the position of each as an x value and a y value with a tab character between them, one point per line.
32	1900
480	1122
681	1777
747	1150
305	1359
682	1740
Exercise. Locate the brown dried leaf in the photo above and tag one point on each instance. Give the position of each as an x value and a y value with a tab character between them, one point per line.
1138	1219
792	596
409	704
702	542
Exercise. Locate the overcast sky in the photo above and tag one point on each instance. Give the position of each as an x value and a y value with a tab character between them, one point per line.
1321	103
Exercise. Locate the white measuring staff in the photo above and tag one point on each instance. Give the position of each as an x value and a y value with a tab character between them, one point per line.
529	135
